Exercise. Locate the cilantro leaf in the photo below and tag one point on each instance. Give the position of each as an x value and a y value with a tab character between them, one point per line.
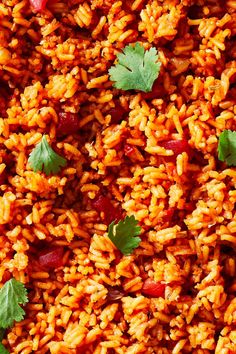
136	69
124	234
12	295
3	350
43	158
227	147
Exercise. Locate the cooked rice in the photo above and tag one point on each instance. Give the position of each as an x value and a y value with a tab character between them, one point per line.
58	60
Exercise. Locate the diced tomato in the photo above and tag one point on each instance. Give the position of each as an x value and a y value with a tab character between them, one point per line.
117	113
129	150
68	123
6	276
103	204
38	5
177	146
157	92
153	288
3	177
168	214
51	257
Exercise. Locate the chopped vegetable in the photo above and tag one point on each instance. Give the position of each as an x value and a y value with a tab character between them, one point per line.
117	113
52	257
227	147
3	177
68	123
38	5
124	234
153	288
136	69
12	295
43	158
177	146
103	204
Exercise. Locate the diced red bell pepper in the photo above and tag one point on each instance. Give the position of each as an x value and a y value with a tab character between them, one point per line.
178	147
153	288
68	123
103	204
3	177
38	5
51	257
117	113
168	214
157	92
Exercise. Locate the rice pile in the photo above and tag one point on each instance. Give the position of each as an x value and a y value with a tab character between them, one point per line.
58	60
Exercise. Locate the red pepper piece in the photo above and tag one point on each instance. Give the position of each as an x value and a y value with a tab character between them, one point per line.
38	5
177	146
103	204
68	123
157	92
3	177
153	288
51	257
117	113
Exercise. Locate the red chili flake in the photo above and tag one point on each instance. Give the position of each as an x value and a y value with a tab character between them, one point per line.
177	146
103	204
117	113
68	123
153	288
38	5
51	257
129	150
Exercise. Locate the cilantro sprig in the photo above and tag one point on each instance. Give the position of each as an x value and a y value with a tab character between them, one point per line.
124	234
12	295
136	69
44	158
227	147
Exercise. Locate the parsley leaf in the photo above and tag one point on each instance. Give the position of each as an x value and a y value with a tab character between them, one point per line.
3	350
43	158
136	69
124	234
12	294
227	147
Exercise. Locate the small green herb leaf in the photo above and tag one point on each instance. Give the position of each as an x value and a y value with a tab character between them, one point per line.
3	350
12	295
136	69
227	147
43	158
124	234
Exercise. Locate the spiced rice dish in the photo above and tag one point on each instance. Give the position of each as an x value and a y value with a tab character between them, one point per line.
117	176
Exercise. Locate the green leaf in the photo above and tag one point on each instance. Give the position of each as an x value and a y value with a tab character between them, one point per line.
12	295
136	69
3	350
227	147
43	158
124	234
